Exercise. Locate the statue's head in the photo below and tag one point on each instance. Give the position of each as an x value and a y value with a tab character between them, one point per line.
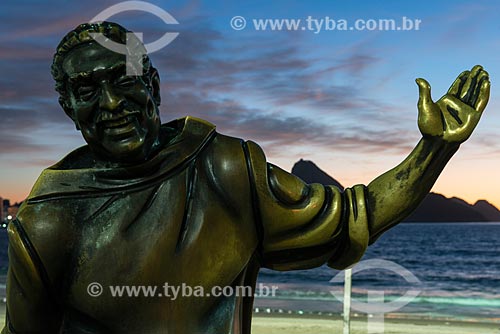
117	113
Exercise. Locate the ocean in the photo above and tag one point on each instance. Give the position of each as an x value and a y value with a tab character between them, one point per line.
454	273
456	265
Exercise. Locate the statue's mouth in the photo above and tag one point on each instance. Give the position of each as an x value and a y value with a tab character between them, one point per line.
118	122
120	127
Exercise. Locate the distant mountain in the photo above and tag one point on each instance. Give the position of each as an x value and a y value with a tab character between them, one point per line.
438	208
488	210
434	207
310	173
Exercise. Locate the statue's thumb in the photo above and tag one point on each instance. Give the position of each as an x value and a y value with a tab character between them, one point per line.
424	90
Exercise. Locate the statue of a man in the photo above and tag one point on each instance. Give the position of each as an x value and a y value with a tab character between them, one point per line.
145	203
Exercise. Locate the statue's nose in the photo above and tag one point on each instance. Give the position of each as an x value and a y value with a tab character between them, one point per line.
110	100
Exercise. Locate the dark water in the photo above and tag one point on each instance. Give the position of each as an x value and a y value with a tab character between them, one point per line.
458	266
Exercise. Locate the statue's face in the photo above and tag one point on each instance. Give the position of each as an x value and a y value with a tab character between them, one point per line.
116	113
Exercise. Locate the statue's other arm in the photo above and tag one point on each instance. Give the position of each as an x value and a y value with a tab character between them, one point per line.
29	305
444	126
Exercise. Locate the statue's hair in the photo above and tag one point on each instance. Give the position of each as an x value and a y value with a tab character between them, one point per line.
81	35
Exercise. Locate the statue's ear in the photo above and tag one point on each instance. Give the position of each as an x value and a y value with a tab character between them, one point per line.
154	83
68	110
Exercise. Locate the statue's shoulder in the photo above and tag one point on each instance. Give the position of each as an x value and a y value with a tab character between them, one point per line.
216	148
189	127
194	124
224	162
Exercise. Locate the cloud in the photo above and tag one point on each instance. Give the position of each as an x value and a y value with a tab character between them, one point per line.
278	132
13	143
280	75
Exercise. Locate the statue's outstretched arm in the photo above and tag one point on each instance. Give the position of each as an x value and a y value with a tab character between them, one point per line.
444	125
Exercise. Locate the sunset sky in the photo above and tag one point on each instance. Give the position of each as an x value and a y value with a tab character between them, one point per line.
343	99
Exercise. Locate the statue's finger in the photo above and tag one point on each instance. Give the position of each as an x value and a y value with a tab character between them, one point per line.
424	95
484	96
483	76
463	79
429	119
458	83
470	84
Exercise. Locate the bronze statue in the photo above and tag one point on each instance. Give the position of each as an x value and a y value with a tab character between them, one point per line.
146	203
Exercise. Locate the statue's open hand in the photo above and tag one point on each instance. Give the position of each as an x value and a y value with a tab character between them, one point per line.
457	113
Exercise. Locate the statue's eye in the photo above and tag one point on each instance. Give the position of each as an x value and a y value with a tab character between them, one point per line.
86	93
126	81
